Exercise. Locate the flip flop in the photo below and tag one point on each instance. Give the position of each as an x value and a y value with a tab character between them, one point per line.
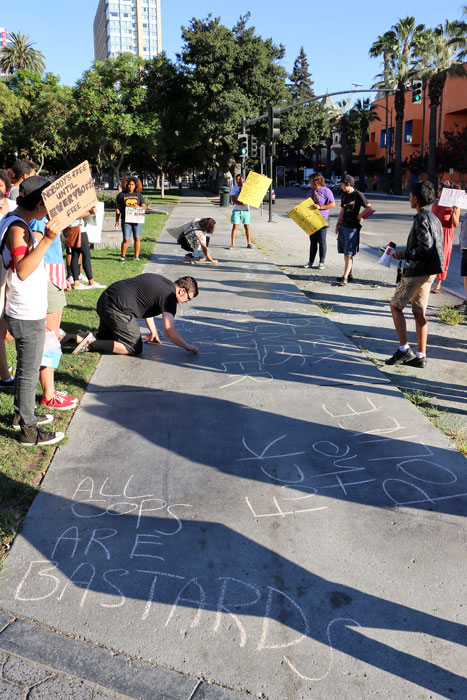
436	291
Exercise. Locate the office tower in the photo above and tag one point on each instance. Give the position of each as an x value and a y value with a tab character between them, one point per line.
5	40
132	26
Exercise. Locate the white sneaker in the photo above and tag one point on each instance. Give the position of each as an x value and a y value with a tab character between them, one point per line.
96	285
122	259
83	345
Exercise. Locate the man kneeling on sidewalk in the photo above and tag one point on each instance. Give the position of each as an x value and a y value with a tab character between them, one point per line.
144	296
423	260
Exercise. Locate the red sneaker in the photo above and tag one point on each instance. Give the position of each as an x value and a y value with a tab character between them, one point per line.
60	403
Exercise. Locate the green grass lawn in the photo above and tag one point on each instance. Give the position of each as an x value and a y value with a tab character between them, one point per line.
22	468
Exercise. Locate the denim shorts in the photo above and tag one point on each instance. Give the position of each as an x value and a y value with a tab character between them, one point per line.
240	217
130	230
348	240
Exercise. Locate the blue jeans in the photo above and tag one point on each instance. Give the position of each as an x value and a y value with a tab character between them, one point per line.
348	240
318	240
29	341
129	230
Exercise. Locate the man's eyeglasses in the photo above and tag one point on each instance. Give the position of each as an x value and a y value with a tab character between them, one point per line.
188	298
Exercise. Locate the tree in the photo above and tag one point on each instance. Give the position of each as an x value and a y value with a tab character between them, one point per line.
384	46
228	75
398	73
442	55
20	55
39	130
300	85
303	127
363	113
110	102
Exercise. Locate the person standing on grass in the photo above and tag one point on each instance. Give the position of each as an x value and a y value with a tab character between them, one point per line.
323	200
240	213
348	225
26	304
56	302
123	302
423	260
129	197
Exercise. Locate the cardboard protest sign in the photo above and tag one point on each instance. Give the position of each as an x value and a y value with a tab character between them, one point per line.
453	198
134	215
94	224
307	217
254	188
70	195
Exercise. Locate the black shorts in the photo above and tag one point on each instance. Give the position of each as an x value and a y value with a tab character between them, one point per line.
464	262
118	325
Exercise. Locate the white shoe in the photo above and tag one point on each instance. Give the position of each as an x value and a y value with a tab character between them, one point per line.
83	345
96	285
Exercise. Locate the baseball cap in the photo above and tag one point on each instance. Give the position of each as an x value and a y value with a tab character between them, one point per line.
349	180
30	190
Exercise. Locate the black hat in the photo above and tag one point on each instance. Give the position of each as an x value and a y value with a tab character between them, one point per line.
349	180
30	190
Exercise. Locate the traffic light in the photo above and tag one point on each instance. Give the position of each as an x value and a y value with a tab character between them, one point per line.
243	145
274	122
254	147
417	87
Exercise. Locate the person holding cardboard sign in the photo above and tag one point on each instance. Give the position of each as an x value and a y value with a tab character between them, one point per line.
323	200
240	212
129	199
449	217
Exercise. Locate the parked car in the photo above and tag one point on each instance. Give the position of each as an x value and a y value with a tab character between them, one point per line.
266	197
305	186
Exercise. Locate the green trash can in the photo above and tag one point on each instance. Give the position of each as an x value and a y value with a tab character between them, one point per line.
224	196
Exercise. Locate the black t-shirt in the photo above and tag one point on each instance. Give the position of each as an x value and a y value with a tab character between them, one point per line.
143	296
351	203
128	199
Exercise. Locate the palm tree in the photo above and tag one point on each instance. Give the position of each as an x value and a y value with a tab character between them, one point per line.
443	53
406	33
384	46
343	125
20	55
363	113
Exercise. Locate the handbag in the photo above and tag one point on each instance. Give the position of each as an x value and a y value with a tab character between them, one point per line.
72	236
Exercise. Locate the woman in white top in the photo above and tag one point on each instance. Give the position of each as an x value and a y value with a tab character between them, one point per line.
26	303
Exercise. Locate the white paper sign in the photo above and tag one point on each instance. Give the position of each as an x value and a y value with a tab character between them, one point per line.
134	215
94	224
453	198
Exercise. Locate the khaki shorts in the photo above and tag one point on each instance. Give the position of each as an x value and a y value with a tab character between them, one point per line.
56	299
414	289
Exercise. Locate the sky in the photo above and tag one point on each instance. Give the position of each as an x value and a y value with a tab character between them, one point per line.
336	42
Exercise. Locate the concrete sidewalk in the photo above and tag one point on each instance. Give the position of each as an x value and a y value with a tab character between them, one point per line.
269	518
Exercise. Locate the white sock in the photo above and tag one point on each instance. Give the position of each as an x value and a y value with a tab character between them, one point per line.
404	348
421	354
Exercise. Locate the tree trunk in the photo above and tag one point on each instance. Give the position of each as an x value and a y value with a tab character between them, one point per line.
440	118
432	174
422	144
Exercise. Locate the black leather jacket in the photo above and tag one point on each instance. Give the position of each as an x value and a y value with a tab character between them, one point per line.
424	252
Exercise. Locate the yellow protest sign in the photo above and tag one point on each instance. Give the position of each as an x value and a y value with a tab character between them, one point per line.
307	217
70	195
254	188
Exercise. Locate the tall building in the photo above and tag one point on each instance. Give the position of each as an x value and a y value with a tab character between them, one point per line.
5	40
132	26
